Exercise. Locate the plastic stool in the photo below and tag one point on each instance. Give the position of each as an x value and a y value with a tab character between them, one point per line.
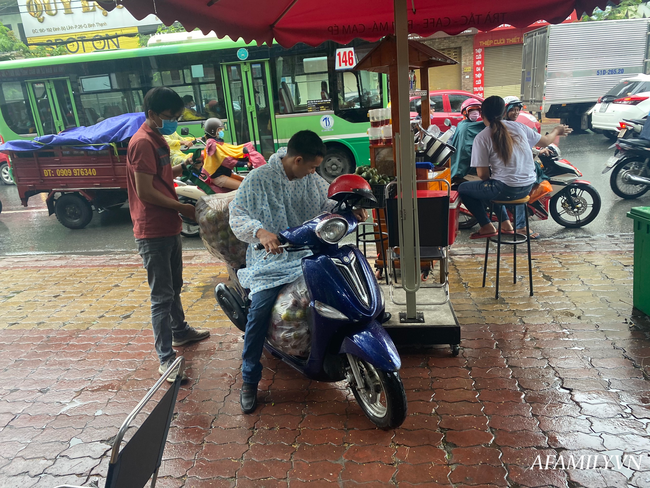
495	207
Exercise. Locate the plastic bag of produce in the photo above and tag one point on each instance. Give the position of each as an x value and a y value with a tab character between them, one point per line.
212	214
290	327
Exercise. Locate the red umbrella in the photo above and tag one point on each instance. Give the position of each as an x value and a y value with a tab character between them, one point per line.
292	21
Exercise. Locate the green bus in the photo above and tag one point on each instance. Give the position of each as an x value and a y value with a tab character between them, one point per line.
264	94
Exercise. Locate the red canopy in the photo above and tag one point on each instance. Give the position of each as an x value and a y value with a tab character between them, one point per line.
313	22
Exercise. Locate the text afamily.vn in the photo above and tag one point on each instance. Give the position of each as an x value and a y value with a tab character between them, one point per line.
591	461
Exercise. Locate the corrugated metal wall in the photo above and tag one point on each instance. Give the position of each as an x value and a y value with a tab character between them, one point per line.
586	59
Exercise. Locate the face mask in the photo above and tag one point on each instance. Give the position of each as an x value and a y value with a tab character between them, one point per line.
220	134
473	116
168	127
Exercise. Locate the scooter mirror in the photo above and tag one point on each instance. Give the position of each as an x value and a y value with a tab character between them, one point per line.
185	131
447	122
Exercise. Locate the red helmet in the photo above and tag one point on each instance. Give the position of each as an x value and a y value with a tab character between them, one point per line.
470	103
348	185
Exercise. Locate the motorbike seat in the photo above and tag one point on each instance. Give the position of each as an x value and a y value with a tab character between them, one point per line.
635	144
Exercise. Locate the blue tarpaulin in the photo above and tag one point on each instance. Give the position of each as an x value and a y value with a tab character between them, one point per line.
94	138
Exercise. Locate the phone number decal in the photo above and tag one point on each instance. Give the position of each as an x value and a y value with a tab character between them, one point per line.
70	172
615	71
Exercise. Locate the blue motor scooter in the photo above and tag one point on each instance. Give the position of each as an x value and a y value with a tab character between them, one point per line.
347	341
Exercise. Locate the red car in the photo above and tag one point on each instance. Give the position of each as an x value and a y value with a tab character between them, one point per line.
445	104
5	176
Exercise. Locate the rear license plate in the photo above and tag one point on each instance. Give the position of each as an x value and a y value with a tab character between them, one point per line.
603	107
622	133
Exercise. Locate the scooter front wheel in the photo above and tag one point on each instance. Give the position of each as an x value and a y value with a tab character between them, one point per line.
190	228
575	206
380	394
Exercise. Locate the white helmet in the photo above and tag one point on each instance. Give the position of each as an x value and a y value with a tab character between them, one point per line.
512	102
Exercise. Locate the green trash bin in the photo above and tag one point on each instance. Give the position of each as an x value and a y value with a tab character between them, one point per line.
641	287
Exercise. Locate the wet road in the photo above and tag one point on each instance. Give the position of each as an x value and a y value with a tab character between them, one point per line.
31	230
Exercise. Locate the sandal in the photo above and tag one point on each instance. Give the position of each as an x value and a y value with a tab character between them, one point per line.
532	235
478	235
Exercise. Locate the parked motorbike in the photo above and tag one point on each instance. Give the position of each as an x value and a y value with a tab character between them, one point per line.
630	128
630	167
572	203
345	304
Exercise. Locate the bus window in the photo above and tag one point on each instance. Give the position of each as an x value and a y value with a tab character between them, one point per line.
299	79
370	84
348	90
15	108
101	97
197	82
359	89
64	100
99	106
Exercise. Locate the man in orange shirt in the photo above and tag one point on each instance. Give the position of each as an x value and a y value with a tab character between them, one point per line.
156	224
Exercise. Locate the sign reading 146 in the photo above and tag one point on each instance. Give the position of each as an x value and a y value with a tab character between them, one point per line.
345	58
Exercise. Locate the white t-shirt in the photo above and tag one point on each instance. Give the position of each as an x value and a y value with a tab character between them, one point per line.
520	170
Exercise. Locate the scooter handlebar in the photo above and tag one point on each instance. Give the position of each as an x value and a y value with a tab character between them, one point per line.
283	243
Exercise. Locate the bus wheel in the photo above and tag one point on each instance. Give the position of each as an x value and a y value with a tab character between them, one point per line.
73	211
337	162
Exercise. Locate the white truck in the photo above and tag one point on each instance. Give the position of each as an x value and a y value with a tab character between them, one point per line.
566	68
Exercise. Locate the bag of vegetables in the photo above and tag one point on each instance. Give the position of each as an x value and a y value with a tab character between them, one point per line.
212	214
290	327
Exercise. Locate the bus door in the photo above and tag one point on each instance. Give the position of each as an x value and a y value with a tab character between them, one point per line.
249	105
53	106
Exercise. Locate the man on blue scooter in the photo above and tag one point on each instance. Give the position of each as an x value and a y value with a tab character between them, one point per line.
281	194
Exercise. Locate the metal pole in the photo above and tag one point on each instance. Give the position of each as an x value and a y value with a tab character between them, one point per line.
409	239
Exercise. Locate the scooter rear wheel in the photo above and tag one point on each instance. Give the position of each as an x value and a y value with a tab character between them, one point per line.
381	395
621	186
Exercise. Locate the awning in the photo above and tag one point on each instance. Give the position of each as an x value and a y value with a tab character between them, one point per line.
292	21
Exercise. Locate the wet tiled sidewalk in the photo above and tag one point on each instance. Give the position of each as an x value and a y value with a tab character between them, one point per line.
541	381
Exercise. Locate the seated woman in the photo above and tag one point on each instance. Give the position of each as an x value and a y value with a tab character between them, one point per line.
220	157
503	159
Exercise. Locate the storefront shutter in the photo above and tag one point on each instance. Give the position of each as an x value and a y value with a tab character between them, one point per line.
503	70
447	77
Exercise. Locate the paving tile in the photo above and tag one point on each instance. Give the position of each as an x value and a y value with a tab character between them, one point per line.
329	452
535	379
256	470
366	472
423	474
524	476
420	455
467	438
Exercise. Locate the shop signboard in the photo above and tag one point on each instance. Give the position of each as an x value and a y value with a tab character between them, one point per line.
81	25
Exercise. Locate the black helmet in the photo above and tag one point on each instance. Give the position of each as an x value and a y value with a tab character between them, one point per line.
212	126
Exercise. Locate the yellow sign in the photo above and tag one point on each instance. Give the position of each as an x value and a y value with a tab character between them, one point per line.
87	42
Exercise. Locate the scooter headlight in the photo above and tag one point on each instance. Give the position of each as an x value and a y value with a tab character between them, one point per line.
329	312
332	229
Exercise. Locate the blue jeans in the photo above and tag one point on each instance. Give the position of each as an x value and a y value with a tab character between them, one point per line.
163	259
476	196
257	326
